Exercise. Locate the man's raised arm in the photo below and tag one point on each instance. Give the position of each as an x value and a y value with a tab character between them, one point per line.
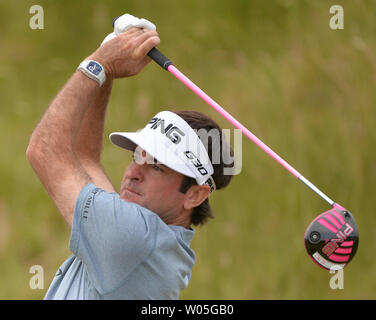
51	149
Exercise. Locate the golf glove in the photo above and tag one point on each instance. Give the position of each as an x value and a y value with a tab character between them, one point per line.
126	22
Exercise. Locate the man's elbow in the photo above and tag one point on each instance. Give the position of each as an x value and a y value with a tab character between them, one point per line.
46	155
38	151
44	161
31	151
34	153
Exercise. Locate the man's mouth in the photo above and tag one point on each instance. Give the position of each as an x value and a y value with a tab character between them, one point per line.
132	191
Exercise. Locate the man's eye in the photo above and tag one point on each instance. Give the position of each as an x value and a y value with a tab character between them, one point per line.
156	167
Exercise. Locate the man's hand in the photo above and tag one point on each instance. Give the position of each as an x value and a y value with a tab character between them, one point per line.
126	54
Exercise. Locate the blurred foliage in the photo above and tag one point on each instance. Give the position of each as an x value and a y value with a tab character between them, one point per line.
306	90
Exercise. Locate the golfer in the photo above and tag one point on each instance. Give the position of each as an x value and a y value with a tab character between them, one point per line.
134	244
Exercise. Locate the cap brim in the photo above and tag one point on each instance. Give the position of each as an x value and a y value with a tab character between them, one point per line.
125	140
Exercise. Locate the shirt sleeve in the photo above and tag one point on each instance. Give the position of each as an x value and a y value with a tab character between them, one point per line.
110	236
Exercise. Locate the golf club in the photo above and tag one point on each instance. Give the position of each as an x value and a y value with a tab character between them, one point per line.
331	240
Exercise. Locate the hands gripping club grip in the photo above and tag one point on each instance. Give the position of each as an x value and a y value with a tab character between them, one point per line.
155	54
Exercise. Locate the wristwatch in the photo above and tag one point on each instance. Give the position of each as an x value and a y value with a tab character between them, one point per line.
94	70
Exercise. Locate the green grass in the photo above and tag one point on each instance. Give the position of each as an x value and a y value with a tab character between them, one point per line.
305	90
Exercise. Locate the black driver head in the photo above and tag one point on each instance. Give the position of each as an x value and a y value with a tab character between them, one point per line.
331	240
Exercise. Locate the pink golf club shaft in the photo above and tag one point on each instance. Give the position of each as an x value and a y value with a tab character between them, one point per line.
230	118
165	63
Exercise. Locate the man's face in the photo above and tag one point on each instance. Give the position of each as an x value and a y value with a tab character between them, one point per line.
153	186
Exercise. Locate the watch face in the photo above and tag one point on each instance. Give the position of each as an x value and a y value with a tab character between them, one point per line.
94	68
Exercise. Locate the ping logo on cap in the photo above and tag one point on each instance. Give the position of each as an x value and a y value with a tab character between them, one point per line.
172	132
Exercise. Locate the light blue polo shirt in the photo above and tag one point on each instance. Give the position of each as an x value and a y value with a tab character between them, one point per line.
122	251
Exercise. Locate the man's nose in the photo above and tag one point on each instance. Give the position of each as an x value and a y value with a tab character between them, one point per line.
135	171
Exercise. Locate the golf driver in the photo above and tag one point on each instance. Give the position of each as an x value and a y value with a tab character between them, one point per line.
331	240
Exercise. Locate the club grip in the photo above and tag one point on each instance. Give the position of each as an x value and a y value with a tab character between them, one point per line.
154	53
159	58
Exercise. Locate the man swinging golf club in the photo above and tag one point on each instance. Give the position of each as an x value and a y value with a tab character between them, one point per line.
135	244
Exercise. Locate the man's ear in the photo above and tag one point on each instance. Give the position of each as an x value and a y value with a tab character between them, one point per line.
195	196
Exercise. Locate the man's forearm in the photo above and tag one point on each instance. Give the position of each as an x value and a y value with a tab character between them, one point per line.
58	129
89	141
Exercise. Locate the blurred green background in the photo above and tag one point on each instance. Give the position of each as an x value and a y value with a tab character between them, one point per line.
306	90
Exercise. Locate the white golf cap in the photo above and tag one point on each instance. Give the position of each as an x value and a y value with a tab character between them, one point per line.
171	141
